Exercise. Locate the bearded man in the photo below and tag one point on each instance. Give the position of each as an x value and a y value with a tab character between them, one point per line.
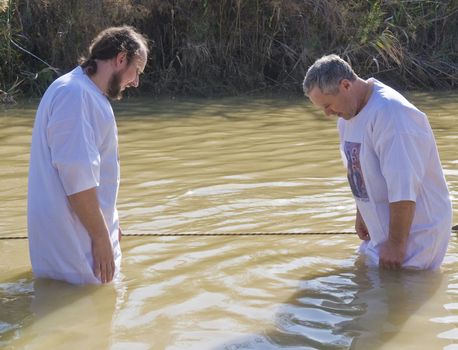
73	224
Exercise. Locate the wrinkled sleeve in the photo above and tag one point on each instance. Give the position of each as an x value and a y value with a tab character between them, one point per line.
72	143
403	145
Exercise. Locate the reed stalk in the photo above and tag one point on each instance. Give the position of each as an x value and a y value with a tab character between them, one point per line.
217	47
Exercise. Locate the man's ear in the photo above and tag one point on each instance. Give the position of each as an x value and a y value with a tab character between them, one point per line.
345	84
121	58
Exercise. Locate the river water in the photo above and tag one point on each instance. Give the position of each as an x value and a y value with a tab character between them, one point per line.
195	174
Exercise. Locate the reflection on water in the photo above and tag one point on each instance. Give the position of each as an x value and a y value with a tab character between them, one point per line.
306	292
232	165
357	308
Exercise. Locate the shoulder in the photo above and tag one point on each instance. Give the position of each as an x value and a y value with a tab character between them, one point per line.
70	83
387	98
74	90
392	109
65	98
62	94
65	91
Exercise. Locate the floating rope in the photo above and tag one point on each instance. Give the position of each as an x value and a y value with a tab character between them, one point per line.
240	234
215	234
454	228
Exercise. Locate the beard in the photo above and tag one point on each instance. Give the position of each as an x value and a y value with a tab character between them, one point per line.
114	86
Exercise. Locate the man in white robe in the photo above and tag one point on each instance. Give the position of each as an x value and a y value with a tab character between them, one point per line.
73	224
404	213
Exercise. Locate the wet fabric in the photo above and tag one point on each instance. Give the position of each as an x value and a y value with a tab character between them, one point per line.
391	155
74	148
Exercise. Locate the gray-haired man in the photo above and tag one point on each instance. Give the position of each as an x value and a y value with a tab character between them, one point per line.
403	206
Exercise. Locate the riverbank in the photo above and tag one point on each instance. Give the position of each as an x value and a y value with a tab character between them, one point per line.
221	47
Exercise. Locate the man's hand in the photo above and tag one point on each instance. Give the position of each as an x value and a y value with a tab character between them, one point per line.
360	227
102	253
392	254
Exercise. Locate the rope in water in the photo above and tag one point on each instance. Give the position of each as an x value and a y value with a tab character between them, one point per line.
215	234
454	228
240	234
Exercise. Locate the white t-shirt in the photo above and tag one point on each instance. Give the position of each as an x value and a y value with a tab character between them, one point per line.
74	148
391	155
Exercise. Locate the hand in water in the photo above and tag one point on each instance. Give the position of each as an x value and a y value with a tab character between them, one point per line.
102	253
391	254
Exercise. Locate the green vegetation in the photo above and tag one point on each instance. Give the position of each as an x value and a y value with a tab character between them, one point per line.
216	47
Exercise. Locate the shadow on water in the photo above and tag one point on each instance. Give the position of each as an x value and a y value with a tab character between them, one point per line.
52	312
352	308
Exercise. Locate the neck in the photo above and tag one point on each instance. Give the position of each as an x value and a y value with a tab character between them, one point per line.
100	83
365	93
101	77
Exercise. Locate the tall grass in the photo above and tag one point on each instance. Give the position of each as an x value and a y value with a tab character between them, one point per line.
8	79
213	47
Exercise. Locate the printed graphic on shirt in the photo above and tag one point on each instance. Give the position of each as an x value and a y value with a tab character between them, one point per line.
355	173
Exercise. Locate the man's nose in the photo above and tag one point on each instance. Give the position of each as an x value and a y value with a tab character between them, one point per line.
329	111
135	82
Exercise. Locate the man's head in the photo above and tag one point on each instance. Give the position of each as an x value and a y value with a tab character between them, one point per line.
126	51
330	85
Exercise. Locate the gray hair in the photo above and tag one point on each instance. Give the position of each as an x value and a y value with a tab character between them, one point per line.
326	73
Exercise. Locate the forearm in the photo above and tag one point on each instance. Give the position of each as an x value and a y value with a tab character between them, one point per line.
401	217
86	206
393	250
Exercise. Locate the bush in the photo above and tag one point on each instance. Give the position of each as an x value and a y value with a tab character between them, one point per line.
217	47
